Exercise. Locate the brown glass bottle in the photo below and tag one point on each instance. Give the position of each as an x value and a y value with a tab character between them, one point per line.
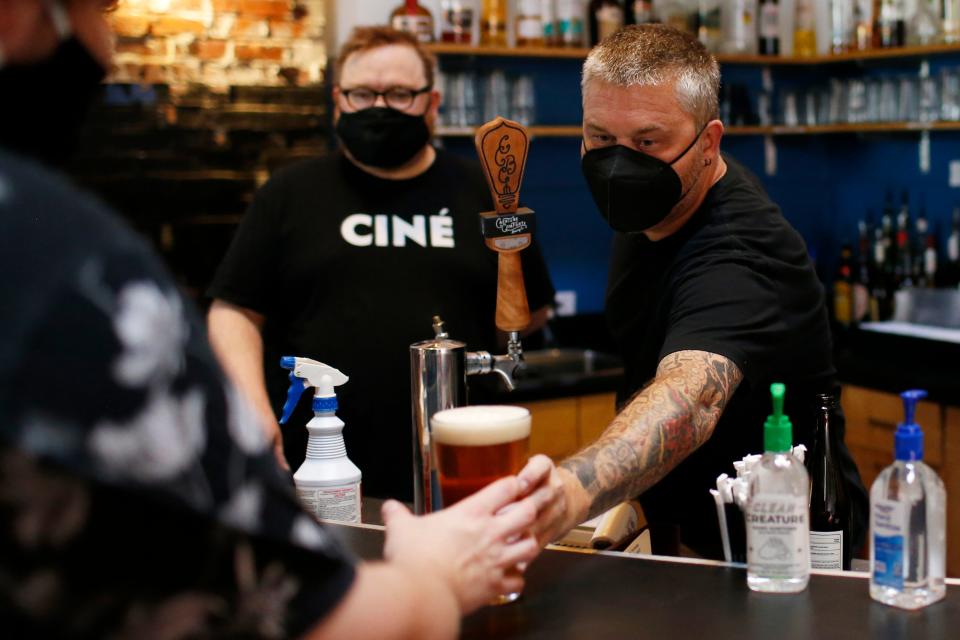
830	539
414	18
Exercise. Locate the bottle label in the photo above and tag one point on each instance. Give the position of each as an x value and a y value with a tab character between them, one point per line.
340	503
778	536
770	21
826	550
888	531
529	28
419	26
609	21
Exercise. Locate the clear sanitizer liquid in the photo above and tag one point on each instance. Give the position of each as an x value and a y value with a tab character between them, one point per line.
908	523
777	518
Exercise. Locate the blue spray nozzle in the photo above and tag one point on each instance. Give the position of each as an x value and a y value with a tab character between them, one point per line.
305	373
908	441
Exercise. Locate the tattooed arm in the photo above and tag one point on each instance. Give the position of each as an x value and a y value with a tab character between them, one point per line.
660	426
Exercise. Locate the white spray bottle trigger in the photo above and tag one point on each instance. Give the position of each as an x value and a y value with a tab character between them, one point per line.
306	373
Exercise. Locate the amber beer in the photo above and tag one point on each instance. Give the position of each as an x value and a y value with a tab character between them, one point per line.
476	445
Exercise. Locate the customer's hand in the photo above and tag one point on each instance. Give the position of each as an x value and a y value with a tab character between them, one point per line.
561	502
469	545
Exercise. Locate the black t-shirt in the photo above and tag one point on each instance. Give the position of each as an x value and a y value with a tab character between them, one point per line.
136	486
349	269
736	281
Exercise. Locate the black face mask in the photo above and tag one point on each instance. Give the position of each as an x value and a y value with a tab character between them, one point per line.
44	104
633	191
382	137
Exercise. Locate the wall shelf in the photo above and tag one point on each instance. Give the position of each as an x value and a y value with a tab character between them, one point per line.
535	131
580	53
866	127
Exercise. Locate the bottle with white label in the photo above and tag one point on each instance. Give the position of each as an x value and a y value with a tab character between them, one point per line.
328	483
908	522
778	531
830	511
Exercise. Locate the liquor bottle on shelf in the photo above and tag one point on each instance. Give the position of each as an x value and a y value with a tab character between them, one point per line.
676	14
457	20
493	23
892	23
863	302
548	18
951	21
903	268
918	248
843	289
606	18
805	34
880	307
863	24
414	18
768	26
949	275
640	11
529	23
930	261
830	540
925	26
709	30
739	27
570	15
841	25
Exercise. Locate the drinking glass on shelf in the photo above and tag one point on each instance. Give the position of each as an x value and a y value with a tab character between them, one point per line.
790	112
471	100
874	89
909	107
838	102
496	96
928	100
524	105
889	100
950	94
810	108
856	102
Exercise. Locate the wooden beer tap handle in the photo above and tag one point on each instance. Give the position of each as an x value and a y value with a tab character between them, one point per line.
502	146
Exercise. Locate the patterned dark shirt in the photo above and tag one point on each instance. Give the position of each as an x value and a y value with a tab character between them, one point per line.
138	495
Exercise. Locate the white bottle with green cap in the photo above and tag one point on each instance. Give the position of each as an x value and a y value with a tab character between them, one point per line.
778	525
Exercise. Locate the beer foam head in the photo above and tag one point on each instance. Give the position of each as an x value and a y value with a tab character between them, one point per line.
480	425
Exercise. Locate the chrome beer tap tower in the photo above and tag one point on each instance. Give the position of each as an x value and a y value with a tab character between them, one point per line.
439	367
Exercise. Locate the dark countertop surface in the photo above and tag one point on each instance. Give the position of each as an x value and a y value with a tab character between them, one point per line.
600	595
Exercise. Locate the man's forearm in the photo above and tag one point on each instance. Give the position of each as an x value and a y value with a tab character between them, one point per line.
663	424
236	340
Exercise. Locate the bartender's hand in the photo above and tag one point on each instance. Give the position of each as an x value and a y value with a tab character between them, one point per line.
469	545
561	501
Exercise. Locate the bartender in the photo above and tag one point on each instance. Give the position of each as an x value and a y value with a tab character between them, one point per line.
347	257
711	297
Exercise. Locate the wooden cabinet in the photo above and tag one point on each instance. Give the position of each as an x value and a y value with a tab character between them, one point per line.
562	426
872	418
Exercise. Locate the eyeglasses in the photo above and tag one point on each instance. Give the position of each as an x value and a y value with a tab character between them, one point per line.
396	97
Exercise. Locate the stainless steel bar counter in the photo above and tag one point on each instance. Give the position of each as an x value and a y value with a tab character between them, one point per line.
599	595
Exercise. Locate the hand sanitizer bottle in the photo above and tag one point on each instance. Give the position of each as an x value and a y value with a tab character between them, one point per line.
328	483
778	526
908	522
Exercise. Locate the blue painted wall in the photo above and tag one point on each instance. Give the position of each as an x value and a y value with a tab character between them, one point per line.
824	184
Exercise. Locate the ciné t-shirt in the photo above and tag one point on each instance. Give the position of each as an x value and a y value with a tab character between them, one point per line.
736	281
350	269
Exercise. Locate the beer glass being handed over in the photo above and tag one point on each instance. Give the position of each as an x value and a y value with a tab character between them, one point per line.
477	445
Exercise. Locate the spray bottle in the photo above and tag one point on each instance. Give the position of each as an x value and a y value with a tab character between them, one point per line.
328	483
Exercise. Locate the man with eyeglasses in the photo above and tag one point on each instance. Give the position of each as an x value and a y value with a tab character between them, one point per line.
347	257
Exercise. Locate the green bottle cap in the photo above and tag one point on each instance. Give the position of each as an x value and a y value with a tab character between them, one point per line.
778	430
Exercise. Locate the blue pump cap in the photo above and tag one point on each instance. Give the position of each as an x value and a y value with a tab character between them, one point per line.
288	362
325	405
908	441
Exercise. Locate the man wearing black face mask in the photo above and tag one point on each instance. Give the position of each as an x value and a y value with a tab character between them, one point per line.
711	295
346	258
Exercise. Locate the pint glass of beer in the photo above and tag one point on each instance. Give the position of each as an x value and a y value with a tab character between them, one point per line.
477	445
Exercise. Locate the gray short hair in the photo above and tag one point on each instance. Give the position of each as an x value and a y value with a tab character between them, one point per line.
653	55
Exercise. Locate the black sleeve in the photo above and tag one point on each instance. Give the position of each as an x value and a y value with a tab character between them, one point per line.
248	270
728	309
536	278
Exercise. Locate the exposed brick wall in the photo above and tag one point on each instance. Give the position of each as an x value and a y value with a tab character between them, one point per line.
219	43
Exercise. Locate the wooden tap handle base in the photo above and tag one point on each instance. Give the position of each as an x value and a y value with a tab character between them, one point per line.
513	312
